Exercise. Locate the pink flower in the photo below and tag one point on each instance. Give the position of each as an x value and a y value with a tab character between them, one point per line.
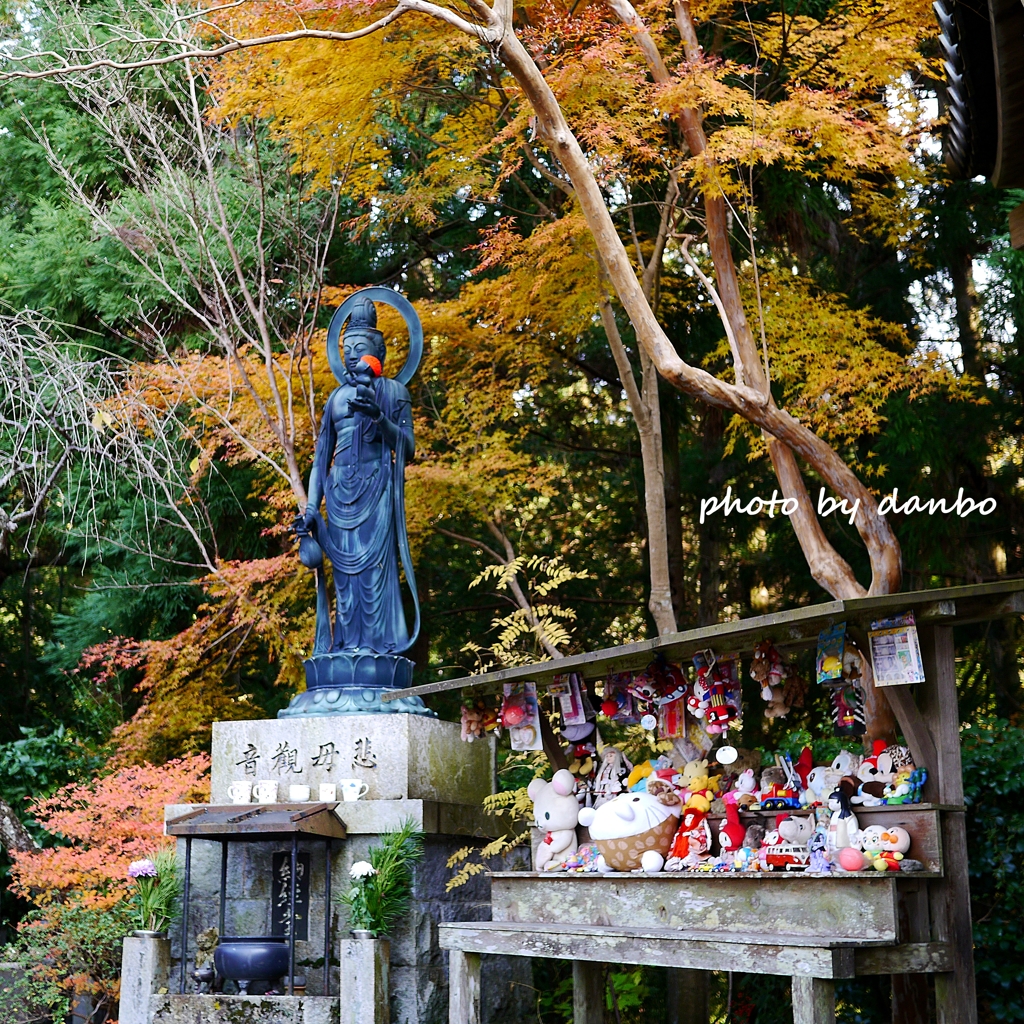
142	869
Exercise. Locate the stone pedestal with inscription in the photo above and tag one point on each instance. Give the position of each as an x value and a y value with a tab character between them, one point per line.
411	766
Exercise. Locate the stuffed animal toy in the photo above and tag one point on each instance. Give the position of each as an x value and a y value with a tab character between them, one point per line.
795	829
803	766
900	758
691	842
731	833
611	776
776	792
472	723
744	790
888	848
635	830
699	699
877	767
766	668
753	837
814	793
771	779
556	811
781	687
844	763
639	773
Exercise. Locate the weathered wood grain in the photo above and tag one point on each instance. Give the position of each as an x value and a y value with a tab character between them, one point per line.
463	987
910	990
587	992
850	908
795	627
814	1001
711	952
687	995
955	992
907	959
915	732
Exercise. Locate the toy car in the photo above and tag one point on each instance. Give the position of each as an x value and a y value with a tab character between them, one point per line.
787	857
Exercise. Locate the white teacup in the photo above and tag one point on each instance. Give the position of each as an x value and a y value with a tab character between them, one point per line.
240	792
353	789
328	793
265	791
297	794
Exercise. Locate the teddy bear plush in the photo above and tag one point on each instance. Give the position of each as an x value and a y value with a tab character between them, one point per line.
556	811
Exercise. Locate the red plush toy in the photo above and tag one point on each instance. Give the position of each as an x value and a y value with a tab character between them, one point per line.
803	766
732	833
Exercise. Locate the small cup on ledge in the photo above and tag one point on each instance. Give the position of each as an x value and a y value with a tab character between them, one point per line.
265	791
240	792
353	789
298	794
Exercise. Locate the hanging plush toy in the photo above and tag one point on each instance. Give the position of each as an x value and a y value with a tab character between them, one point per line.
472	722
848	716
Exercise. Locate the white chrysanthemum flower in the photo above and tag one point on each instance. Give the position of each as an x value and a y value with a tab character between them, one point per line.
362	869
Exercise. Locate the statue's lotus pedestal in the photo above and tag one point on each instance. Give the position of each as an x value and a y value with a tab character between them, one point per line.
413	767
347	683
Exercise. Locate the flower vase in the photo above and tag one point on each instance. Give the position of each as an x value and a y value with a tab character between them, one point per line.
365	969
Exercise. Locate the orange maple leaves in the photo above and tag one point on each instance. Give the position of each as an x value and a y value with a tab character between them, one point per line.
107	823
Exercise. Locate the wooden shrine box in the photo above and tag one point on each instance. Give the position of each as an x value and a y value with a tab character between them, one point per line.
814	928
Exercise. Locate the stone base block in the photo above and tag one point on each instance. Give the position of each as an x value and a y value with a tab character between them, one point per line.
399	757
365	985
145	969
218	1009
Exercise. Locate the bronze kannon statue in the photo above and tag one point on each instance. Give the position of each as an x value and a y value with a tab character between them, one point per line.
358	476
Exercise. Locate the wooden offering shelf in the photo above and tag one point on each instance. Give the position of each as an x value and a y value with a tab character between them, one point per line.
914	926
920	820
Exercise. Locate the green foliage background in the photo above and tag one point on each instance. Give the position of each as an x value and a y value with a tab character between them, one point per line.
57	599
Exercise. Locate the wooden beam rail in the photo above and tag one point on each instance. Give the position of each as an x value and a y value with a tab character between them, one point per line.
797	627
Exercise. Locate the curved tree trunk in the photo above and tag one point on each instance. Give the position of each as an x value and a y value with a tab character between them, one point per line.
750	396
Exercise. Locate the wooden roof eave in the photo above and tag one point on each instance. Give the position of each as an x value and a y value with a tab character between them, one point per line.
793	629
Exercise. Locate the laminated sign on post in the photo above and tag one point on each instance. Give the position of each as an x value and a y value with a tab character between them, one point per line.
896	652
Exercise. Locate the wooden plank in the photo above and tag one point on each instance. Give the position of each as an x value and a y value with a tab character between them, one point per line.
587	992
847	909
794	626
910	989
910	999
712	952
924	827
688	996
463	987
909	958
937	611
955	992
915	732
814	1001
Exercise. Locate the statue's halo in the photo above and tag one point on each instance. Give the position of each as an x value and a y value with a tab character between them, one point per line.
396	300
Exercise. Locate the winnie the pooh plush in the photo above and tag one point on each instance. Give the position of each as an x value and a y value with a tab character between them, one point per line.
556	811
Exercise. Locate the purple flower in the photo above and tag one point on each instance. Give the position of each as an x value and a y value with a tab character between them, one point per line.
142	869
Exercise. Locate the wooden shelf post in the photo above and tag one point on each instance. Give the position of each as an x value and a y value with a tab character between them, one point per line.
955	994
